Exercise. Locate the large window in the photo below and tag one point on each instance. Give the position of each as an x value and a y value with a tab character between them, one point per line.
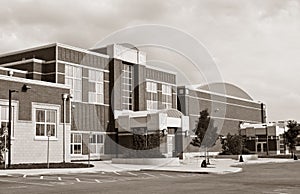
73	78
45	123
152	105
96	89
166	96
97	144
127	87
76	143
151	87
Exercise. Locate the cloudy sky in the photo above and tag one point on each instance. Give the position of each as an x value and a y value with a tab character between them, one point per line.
256	44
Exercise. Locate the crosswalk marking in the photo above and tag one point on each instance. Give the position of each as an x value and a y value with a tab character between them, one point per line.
77	179
149	174
59	178
165	175
102	172
116	173
132	174
97	181
42	177
24	176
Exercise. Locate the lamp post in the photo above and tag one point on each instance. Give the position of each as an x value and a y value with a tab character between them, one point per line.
9	124
24	89
65	97
267	136
48	147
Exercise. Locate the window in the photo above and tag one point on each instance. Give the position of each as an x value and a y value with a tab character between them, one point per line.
97	144
151	87
166	90
96	78
45	122
166	96
76	143
127	87
4	119
73	78
152	105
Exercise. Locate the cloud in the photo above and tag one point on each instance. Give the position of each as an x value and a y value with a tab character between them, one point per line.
256	43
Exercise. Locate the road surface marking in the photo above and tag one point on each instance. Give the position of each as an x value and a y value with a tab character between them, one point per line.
165	175
41	177
77	179
102	172
24	176
25	183
116	173
132	174
59	178
97	181
149	174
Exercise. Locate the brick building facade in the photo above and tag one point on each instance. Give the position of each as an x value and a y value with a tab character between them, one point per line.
109	94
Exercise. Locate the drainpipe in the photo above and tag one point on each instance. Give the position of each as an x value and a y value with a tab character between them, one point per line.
64	97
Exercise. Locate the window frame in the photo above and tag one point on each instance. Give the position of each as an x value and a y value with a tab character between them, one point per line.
46	123
98	82
76	77
73	144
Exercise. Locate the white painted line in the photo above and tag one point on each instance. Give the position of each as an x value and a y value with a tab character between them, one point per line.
77	179
24	176
132	174
149	174
116	173
165	175
59	178
97	181
42	177
25	183
102	172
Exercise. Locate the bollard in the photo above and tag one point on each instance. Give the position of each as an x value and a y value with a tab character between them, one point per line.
295	157
241	158
203	164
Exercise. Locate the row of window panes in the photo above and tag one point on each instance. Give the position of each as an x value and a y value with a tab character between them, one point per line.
151	87
127	80
152	105
166	90
97	138
167	105
127	106
72	71
45	123
95	98
4	113
127	87
73	78
167	98
95	76
127	67
127	100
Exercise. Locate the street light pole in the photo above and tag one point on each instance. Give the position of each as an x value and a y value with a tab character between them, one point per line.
267	137
9	124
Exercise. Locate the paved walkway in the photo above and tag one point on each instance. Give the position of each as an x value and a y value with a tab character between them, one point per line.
217	166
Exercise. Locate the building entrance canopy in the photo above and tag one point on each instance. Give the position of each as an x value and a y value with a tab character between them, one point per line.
152	120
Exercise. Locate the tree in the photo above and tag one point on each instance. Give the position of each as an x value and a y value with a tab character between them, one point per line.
206	133
291	135
232	144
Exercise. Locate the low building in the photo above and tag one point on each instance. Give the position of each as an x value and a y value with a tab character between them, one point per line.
265	138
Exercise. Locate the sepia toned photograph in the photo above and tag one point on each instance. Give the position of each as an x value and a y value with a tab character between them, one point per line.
148	96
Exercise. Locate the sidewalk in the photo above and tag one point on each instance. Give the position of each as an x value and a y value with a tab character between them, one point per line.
217	166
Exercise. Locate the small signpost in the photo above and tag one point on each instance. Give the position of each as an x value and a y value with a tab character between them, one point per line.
5	134
48	147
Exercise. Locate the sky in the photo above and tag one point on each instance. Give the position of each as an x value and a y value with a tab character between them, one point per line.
256	44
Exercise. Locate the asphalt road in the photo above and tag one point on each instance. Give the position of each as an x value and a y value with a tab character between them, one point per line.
265	178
